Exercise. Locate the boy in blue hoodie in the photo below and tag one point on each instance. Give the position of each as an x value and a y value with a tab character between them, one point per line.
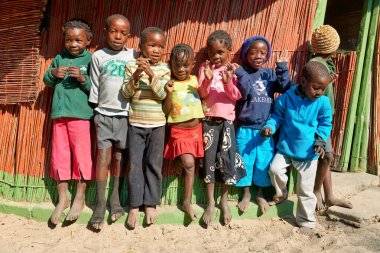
257	86
304	117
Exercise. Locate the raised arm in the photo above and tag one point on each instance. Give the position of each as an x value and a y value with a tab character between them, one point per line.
229	81
130	82
282	73
167	104
204	82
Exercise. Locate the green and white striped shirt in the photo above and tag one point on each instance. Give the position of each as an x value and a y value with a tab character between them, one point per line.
146	97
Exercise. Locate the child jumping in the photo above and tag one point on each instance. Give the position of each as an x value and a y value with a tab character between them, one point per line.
325	41
303	116
144	83
217	89
257	86
71	114
111	119
184	110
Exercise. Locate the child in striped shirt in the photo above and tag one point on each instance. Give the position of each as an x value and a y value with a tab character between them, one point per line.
144	84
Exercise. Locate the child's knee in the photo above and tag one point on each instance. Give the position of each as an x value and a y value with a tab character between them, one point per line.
103	158
188	165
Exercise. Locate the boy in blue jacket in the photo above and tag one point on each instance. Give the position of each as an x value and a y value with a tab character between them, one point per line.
303	116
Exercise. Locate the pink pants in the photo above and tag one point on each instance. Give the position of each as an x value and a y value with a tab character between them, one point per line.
71	135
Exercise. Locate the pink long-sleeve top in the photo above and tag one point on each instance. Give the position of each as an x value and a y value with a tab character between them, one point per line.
218	98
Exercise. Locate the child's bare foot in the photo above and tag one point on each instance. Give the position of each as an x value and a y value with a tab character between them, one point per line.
208	216
244	203
263	204
338	202
133	217
97	218
188	209
306	231
151	214
76	209
116	214
320	205
277	200
116	210
226	212
59	208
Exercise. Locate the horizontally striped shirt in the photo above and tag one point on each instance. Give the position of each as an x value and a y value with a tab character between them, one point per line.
146	98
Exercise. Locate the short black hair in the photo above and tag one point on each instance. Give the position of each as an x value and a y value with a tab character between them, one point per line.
78	23
150	30
116	16
314	70
188	53
221	36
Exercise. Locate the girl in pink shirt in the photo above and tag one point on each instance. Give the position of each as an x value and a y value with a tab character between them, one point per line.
218	91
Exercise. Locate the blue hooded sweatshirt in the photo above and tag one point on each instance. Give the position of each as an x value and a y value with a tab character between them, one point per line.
301	122
257	87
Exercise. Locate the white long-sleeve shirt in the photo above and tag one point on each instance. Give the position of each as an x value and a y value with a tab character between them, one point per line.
107	74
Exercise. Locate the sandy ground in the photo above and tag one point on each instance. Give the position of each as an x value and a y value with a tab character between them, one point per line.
18	234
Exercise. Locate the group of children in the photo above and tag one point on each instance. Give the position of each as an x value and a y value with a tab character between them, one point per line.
135	96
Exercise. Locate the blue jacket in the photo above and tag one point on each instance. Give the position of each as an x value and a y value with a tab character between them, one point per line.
301	121
257	87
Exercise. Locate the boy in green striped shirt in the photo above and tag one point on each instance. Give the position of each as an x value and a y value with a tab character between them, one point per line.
144	84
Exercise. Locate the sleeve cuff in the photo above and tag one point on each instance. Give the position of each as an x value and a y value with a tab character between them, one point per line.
319	142
50	75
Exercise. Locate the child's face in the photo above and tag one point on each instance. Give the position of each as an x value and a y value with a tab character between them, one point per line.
181	71
76	41
257	54
153	48
218	53
117	34
314	89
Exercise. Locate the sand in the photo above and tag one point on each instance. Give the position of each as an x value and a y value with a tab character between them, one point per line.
18	234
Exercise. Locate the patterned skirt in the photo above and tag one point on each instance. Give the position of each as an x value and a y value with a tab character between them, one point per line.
222	162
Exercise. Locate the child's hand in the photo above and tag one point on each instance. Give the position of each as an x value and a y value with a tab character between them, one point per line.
169	86
283	56
143	65
73	71
228	73
319	150
266	132
235	66
59	72
208	70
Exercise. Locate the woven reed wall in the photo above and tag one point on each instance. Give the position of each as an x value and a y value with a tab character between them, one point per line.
26	128
19	49
345	67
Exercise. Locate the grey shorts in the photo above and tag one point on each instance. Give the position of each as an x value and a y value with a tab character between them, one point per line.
111	130
329	148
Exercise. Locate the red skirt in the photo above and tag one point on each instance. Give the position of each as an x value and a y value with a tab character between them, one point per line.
184	141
